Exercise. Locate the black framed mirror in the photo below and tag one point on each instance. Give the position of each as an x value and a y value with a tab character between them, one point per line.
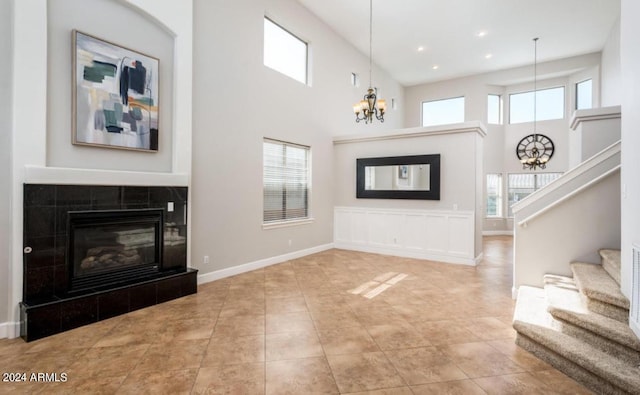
399	177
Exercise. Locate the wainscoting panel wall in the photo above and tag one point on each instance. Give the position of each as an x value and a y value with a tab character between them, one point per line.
439	235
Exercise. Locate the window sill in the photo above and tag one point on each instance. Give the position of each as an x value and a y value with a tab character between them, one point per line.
286	224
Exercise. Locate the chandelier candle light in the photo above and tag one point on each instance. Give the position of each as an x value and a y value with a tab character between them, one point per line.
535	150
370	105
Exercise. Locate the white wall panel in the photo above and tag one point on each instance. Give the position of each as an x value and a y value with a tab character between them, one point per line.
439	235
416	230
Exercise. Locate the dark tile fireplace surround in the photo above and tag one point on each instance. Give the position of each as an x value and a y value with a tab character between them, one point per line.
95	252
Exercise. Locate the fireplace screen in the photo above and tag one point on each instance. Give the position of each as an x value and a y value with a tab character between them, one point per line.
107	246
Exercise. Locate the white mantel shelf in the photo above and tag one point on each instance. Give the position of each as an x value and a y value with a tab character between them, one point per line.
465	127
594	114
71	176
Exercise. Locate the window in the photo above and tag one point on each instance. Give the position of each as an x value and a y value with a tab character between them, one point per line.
284	52
584	94
549	105
441	112
523	185
286	180
494	195
355	81
494	110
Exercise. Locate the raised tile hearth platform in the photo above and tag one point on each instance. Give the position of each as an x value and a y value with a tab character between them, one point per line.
92	252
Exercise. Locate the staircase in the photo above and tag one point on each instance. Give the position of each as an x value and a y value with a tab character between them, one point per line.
580	325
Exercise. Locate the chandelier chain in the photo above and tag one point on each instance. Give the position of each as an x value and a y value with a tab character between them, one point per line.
370	38
535	84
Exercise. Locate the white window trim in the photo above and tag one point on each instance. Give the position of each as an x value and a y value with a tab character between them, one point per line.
287	223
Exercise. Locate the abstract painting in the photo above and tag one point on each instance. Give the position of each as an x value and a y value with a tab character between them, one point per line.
115	95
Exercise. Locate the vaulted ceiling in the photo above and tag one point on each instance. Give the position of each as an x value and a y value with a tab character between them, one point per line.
419	41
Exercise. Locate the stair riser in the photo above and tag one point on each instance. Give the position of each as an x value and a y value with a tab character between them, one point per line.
608	310
610	347
571	369
612	270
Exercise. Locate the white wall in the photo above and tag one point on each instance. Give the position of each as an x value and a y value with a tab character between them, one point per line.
238	102
550	242
459	172
500	142
611	72
630	66
5	153
29	143
98	18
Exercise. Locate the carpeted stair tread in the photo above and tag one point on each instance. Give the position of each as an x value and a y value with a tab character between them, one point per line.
532	321
569	306
597	284
611	262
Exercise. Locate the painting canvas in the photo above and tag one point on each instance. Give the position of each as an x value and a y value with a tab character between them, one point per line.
115	95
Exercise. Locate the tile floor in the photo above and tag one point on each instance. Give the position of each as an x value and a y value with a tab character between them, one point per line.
334	322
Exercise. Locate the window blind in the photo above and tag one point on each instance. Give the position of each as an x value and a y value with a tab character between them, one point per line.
285	181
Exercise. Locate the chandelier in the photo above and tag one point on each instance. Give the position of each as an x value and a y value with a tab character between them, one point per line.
370	105
535	150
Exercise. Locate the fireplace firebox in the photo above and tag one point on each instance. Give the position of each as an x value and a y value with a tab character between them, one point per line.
113	246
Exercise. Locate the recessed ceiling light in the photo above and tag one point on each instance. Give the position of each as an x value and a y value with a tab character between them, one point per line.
481	33
488	56
435	67
420	49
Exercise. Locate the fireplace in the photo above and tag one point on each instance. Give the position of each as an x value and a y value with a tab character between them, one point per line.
113	246
92	252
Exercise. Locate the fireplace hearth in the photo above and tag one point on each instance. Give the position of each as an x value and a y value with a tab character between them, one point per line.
93	252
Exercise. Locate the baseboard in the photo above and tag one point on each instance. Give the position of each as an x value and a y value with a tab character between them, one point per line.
9	330
479	258
497	233
514	293
247	267
408	254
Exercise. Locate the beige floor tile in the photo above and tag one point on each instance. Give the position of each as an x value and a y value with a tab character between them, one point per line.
352	340
520	356
108	361
386	391
163	382
300	376
240	325
289	322
192	329
461	387
286	305
444	332
480	360
231	379
364	372
234	350
244	307
397	336
293	345
83	385
424	365
489	328
521	383
559	383
57	361
341	317
184	354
